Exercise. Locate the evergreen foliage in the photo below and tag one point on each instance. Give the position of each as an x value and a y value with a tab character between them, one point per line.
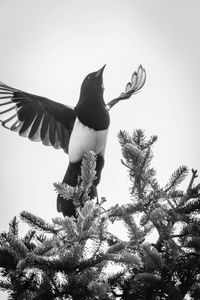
70	258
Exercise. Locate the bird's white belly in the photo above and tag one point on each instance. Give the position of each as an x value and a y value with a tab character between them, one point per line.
85	139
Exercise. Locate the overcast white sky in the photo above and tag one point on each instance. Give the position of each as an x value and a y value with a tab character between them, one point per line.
48	47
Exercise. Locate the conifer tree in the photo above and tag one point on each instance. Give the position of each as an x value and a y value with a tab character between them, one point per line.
69	258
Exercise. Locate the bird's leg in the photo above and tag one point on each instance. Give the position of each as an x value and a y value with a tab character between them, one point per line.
97	197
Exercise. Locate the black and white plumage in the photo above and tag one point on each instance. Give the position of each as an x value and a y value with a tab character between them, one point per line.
35	117
75	130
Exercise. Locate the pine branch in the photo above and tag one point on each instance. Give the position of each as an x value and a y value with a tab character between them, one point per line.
37	222
70	228
100	237
192	192
124	138
88	172
87	216
125	258
45	248
194	175
111	239
15	244
41	237
176	178
118	212
5	285
195	291
151	257
65	190
13	226
8	258
72	263
116	248
133	155
135	234
43	263
139	139
29	236
28	240
149	279
192	228
190	207
79	193
193	242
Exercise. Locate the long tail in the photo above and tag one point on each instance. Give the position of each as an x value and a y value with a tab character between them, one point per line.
73	171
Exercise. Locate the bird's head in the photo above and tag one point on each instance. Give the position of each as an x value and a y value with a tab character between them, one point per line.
92	87
91	109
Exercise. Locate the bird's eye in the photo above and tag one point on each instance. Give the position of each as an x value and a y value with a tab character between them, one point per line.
89	77
102	86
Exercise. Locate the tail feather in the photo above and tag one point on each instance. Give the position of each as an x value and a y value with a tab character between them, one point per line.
73	171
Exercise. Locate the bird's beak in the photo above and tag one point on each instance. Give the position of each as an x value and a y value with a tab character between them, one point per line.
100	72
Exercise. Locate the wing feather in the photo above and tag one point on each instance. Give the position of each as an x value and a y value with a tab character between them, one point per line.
35	117
52	131
59	133
44	128
34	134
46	139
27	122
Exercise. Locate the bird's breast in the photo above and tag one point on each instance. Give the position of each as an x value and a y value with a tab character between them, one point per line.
85	139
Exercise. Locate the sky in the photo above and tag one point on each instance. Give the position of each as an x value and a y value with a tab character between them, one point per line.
48	47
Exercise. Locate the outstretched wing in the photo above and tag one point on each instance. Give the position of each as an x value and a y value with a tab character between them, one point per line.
138	80
35	117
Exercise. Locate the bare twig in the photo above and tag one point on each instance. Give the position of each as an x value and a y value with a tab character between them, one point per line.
192	192
194	175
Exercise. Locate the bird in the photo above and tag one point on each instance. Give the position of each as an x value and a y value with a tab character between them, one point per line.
76	130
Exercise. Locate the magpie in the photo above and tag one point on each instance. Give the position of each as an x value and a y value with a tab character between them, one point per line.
75	130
